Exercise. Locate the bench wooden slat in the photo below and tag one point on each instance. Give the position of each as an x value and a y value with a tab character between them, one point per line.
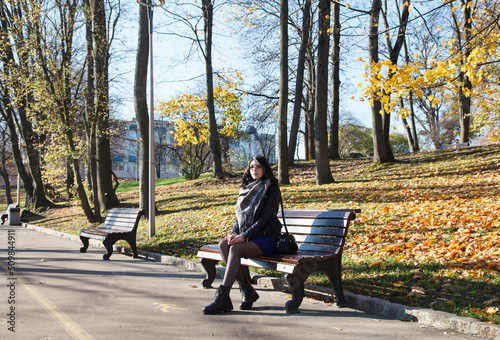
319	248
120	219
294	230
279	267
105	231
340	222
334	241
213	248
318	213
118	225
124	211
302	254
94	235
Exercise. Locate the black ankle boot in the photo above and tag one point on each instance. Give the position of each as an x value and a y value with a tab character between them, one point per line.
249	295
222	302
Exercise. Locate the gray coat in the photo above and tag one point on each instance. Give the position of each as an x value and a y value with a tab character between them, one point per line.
265	221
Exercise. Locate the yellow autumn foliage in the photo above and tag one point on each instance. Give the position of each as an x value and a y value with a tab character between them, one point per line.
190	116
390	83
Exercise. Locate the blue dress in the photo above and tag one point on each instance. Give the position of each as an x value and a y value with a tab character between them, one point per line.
266	243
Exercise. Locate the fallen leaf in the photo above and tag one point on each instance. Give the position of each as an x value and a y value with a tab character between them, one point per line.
492	310
416	291
379	264
490	301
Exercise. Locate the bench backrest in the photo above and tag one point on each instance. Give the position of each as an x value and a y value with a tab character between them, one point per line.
319	230
122	219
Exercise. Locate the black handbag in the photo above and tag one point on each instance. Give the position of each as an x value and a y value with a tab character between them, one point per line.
286	243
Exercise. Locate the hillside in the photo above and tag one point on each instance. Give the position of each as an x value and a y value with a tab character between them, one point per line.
428	234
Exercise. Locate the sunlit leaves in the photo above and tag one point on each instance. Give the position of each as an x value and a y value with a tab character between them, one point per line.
190	117
441	70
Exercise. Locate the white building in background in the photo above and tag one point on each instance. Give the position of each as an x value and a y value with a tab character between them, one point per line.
125	149
250	144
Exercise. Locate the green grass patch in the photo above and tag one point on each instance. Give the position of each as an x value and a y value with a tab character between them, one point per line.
128	186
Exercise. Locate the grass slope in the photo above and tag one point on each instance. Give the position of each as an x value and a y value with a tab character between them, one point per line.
428	234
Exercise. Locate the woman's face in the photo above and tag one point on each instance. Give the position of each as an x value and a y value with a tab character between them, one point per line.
256	170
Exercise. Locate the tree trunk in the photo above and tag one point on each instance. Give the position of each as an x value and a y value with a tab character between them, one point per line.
213	138
141	106
379	148
35	191
3	169
323	172
8	116
90	114
299	84
80	188
31	142
411	130
333	143
466	85
70	180
283	175
310	100
394	52
106	195
6	180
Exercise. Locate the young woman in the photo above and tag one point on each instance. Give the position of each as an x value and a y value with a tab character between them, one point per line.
255	233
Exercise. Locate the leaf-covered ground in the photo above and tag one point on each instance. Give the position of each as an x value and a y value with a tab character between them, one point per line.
428	234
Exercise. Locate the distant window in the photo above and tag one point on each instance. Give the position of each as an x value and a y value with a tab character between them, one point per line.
117	158
131	167
132	159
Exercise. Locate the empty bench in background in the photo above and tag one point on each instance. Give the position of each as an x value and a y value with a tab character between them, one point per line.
320	235
454	146
120	224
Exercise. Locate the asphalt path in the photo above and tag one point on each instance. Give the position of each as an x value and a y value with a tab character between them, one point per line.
49	290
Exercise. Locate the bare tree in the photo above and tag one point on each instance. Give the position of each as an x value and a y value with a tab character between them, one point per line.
18	71
323	172
283	175
333	143
141	106
213	138
106	195
299	81
5	157
463	35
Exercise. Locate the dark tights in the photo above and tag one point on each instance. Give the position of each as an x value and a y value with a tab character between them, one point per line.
232	255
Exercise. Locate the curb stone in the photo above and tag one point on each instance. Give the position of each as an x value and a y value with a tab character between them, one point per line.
425	317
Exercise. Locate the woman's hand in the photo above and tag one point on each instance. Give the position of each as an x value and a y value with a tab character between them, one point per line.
234	238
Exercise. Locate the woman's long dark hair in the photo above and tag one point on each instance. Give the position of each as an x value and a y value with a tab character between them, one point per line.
268	172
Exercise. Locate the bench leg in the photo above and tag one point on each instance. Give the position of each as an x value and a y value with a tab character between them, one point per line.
209	268
334	272
108	244
85	241
133	245
296	285
4	218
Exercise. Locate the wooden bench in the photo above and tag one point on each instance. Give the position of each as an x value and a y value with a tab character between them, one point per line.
120	224
454	146
320	235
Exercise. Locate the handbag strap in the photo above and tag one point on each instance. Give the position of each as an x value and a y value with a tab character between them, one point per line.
283	215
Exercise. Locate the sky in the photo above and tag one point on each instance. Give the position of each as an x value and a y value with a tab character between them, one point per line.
173	77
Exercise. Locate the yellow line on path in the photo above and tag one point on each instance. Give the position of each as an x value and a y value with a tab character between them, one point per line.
69	325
